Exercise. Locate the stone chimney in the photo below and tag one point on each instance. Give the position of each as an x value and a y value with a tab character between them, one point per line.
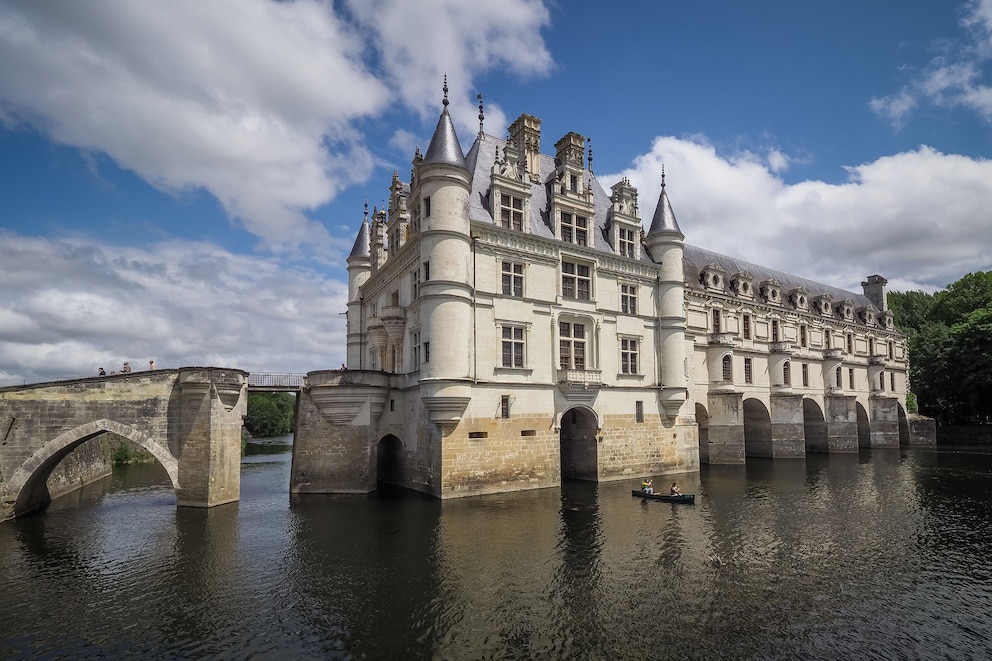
874	289
526	133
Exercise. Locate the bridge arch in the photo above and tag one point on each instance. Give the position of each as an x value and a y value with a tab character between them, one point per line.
814	427
757	429
29	481
579	427
389	460
864	427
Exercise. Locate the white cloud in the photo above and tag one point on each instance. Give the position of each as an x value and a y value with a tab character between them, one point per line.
919	218
956	80
255	101
72	305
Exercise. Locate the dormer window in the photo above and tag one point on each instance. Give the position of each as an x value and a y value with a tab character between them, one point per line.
799	298
742	284
771	291
574	229
511	212
713	277
822	304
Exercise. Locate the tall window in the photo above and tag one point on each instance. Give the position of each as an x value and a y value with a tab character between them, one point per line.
427	352
716	320
881	380
774	330
571	346
850	343
850	378
628	299
892	351
826	340
728	372
513	279
427	207
802	336
638	411
747	326
415	350
628	356
504	406
837	378
627	242
805	375
575	281
415	286
574	229
786	373
511	212
748	371
892	381
871	346
513	346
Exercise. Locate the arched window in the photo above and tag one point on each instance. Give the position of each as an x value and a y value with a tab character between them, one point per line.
728	373
839	377
786	374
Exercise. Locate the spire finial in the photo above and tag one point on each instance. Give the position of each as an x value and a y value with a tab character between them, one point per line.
482	115
589	142
366	208
445	88
663	175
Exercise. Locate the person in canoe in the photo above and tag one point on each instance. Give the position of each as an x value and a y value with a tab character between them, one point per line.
675	489
646	485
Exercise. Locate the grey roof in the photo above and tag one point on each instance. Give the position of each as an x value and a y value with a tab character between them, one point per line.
694	260
362	248
664	216
444	147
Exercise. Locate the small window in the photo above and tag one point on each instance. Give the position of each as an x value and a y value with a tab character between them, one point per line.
892	351
786	374
528	432
728	372
478	434
504	406
747	326
892	381
427	271
837	378
627	242
850	343
802	336
392	404
850	378
427	352
427	207
774	330
639	411
881	380
716	320
628	355
628	299
513	346
748	371
805	375
513	279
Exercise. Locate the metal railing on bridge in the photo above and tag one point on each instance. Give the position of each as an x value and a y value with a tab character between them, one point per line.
274	381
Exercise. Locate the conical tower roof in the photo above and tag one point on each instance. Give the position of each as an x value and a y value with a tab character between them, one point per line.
664	217
444	147
362	249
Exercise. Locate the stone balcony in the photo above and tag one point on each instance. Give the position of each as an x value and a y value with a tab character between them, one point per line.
580	384
781	348
833	354
721	339
878	359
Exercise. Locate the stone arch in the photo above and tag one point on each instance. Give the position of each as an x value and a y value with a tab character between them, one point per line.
864	427
703	421
903	426
757	429
29	481
577	442
814	427
389	460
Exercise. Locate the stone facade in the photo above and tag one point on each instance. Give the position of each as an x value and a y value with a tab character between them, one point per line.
510	325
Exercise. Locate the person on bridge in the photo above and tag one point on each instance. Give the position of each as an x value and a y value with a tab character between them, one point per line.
103	372
151	365
646	485
675	490
127	368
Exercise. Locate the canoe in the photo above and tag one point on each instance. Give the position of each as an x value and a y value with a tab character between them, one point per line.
689	498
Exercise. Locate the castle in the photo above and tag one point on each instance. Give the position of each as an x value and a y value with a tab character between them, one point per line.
511	325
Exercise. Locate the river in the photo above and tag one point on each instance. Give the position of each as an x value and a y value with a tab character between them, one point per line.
877	555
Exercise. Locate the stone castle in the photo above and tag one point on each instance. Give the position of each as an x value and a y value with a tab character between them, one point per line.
511	325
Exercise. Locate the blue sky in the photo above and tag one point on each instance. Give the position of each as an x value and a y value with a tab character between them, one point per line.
181	181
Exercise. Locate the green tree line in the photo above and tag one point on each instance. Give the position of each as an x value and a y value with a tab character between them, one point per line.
270	413
950	348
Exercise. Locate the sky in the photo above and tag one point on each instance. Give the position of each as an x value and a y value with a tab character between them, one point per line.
181	181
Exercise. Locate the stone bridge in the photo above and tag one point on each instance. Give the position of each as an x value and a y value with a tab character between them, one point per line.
189	419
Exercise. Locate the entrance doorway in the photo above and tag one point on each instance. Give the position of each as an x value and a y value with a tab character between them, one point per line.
577	440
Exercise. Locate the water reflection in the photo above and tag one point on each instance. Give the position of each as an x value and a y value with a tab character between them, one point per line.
872	555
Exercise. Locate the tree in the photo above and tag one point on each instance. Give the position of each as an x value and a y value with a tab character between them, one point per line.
950	347
270	413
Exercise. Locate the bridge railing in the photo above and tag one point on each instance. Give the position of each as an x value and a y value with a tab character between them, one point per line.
276	380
